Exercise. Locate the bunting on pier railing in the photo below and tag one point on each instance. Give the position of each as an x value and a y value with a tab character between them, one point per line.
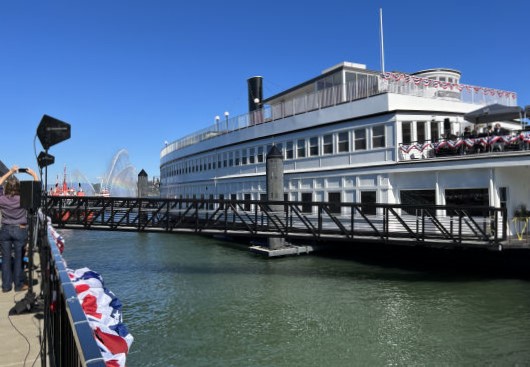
102	309
426	82
57	238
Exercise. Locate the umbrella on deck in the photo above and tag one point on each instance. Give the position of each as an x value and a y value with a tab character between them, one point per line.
494	112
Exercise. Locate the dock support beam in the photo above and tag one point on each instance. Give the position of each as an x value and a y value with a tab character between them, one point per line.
274	172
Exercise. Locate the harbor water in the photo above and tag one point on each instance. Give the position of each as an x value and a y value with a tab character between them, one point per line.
195	301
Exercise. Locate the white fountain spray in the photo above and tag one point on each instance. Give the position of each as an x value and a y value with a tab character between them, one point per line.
119	180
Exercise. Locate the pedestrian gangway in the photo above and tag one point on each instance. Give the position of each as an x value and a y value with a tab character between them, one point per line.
315	222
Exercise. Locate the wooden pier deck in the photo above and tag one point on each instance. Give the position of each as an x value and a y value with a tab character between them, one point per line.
20	334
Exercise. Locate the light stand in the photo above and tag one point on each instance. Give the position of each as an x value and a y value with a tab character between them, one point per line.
30	195
50	132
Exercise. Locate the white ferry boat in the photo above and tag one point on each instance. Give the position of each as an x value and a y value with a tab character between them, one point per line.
352	135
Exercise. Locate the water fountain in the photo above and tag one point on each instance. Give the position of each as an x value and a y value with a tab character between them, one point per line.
120	179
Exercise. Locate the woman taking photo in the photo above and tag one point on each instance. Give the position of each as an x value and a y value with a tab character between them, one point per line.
14	231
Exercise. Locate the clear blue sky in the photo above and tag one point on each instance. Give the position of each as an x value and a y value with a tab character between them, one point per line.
130	74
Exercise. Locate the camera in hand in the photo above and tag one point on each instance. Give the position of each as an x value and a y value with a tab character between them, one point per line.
22	170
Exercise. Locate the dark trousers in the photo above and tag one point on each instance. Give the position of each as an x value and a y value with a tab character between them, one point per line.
13	238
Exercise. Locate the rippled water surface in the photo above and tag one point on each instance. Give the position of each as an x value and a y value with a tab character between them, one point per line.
193	301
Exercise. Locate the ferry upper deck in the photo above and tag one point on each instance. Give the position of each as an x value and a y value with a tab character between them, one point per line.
345	91
352	135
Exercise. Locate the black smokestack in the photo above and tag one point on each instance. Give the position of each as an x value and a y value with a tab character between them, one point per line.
255	93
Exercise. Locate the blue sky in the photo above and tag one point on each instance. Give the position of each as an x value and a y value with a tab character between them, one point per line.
129	74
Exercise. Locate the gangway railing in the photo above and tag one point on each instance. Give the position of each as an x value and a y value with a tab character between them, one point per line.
316	221
68	340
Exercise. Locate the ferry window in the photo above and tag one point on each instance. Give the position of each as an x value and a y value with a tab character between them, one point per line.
313	146
251	155
237	158
247	202
378	136
244	157
260	154
334	202
337	79
362	83
468	199
442	78
221	203
307	198
420	130
225	159
325	83
344	144
300	148
231	159
360	139
219	160
416	198
351	77
368	198
447	128
406	132
289	152
435	131
327	144
280	147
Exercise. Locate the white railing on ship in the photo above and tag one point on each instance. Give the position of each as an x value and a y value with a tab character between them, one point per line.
369	86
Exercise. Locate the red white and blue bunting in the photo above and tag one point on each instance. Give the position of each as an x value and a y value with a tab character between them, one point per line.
102	309
426	82
484	142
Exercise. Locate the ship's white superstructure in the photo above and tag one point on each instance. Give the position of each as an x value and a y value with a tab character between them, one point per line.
355	135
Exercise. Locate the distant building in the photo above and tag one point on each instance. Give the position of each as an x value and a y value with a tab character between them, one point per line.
143	184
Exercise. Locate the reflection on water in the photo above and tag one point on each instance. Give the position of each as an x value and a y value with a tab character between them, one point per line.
192	301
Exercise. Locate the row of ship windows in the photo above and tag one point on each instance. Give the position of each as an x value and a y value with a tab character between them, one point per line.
475	199
340	142
334	198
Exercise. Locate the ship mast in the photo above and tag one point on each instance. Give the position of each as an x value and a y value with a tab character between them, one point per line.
381	40
65	185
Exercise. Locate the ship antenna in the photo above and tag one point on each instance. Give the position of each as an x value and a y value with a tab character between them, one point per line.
381	40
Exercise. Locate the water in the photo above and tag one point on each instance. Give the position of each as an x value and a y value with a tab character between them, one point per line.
192	301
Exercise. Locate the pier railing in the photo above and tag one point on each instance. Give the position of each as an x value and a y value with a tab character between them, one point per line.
69	340
316	221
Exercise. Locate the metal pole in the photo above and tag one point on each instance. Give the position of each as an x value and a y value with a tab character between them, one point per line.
274	177
382	41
